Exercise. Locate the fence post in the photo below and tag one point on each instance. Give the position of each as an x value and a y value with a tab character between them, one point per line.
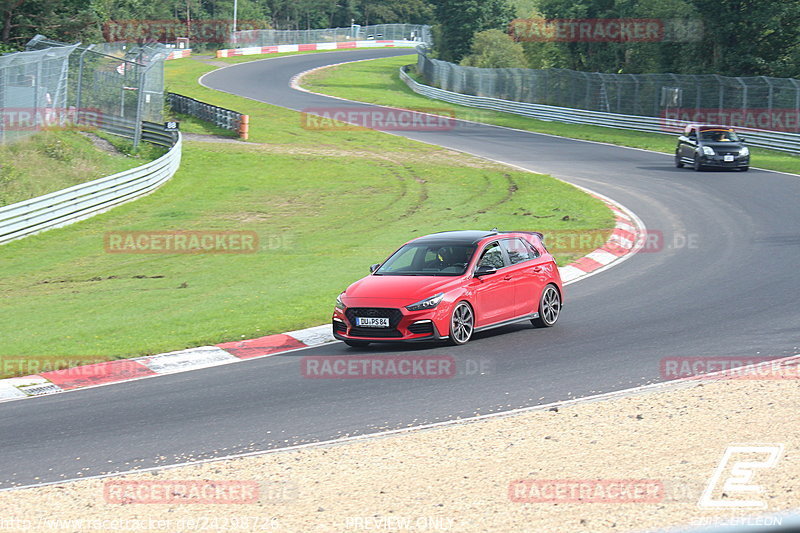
2	102
79	92
137	131
796	85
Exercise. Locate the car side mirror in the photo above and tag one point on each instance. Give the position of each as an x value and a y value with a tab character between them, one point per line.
373	268
485	270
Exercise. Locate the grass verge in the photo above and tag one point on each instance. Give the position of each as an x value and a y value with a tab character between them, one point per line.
378	82
53	160
325	205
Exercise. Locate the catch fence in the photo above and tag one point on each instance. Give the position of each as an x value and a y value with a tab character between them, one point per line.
389	32
753	102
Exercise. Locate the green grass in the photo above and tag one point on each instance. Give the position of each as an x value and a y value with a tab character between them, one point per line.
53	160
378	82
325	204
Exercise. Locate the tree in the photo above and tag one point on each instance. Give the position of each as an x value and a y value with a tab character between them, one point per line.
495	49
750	37
64	20
460	20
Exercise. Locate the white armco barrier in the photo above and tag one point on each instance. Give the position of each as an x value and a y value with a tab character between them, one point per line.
282	48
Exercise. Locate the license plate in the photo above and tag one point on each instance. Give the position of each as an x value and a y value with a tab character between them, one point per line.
727	158
371	322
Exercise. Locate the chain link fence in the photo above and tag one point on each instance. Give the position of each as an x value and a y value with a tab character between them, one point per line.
53	83
379	32
33	90
753	102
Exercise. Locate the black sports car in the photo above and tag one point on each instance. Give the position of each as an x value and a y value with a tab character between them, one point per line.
711	146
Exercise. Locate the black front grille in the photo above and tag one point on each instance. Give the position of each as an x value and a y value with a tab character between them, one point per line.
394	315
374	332
421	327
339	326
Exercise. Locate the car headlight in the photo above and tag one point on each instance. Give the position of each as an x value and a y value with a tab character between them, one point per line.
744	151
707	150
339	303
427	303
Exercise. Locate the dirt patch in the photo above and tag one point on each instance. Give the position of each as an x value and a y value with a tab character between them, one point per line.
209	138
210	61
101	144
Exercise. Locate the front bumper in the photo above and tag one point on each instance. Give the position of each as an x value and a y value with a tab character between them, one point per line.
719	161
404	325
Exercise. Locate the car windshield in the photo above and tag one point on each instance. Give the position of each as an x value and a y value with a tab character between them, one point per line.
719	136
428	259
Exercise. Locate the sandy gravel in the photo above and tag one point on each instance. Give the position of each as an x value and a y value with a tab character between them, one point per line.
457	478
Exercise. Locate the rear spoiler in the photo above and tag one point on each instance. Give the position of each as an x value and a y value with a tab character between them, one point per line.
540	235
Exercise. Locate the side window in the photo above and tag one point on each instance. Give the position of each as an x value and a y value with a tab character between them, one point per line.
519	251
492	256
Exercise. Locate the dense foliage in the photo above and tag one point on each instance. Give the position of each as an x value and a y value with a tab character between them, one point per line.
729	37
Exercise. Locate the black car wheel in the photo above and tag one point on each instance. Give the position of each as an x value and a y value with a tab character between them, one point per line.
697	165
678	160
549	308
462	324
357	344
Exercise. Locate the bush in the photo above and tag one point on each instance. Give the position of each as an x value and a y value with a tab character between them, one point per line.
495	49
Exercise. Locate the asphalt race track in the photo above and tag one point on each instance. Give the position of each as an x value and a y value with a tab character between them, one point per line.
732	292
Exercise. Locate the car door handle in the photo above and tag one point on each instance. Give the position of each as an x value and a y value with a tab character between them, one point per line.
537	269
507	278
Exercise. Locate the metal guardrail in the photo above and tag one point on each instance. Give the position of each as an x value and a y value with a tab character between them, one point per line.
785	142
219	116
82	201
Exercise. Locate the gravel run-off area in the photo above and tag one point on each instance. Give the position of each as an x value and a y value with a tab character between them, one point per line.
638	462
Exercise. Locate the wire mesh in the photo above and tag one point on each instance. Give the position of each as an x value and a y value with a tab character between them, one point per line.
33	91
53	83
754	102
389	32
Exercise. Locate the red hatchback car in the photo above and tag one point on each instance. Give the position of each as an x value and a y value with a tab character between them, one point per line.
448	285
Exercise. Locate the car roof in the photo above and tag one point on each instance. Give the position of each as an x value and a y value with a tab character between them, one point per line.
457	237
467	236
706	127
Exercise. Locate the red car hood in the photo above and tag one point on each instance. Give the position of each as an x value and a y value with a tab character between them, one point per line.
404	290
